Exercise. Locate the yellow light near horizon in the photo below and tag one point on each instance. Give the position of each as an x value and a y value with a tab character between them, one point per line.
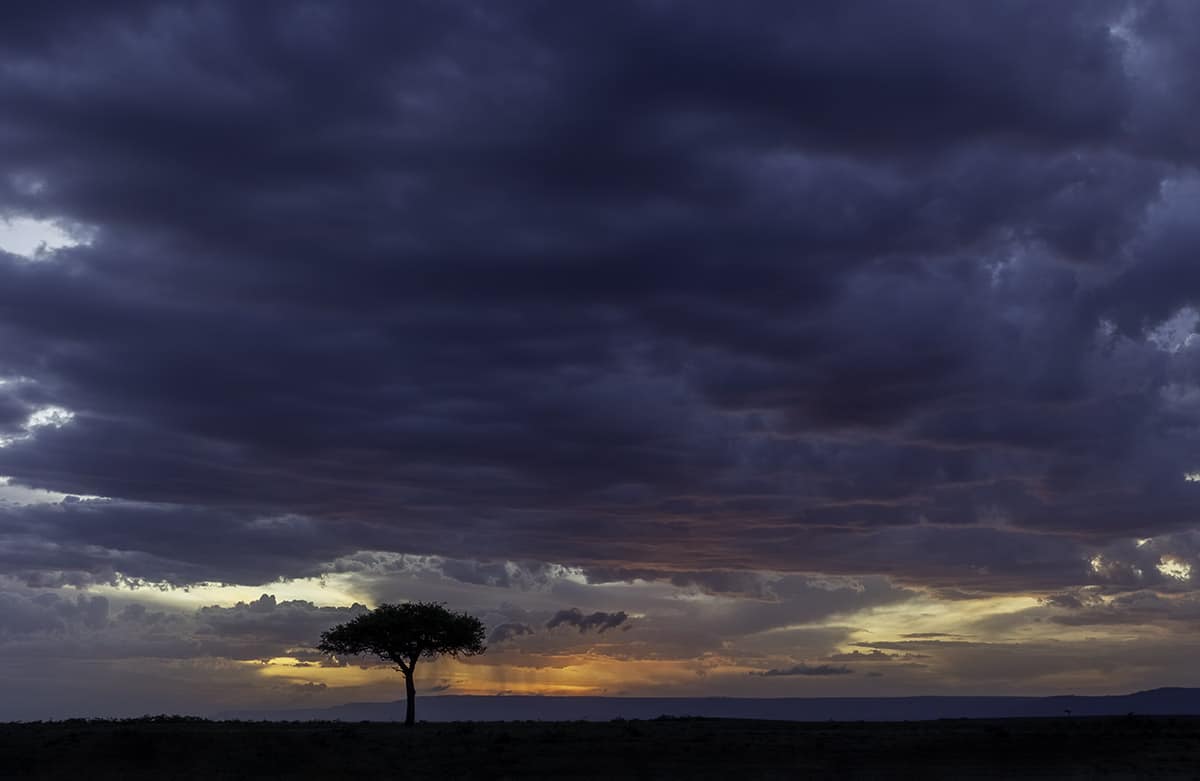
330	591
926	615
349	676
564	675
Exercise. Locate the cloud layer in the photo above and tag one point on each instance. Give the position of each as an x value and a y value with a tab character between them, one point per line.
653	293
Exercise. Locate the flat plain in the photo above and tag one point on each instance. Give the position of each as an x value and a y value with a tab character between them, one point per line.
181	748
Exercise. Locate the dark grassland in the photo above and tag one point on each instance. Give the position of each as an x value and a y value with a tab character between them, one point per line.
165	748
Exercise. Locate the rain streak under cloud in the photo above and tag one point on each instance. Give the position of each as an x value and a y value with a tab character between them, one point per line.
697	350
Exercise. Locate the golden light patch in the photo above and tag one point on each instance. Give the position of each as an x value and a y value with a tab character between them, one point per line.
925	615
583	674
330	591
1174	567
334	677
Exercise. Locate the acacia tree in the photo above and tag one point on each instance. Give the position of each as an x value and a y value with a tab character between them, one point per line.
403	635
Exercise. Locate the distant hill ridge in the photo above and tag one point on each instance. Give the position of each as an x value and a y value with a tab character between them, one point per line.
1173	701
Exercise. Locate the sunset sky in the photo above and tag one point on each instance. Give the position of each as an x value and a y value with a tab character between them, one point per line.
747	349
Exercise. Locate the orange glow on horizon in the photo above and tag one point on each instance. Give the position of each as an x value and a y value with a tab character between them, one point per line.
580	675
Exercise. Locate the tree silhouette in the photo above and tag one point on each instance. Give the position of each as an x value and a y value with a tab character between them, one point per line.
404	634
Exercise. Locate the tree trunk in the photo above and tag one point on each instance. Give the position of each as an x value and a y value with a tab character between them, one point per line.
410	699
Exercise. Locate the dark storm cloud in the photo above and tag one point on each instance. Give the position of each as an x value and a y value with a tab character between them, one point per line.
49	612
744	584
266	619
872	656
508	631
35	624
1068	601
76	543
1138	607
921	645
643	288
13	413
600	621
804	669
109	541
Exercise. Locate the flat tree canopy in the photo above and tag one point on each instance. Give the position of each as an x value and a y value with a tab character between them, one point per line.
403	635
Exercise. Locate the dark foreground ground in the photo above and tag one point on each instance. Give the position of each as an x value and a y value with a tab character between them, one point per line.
1102	747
